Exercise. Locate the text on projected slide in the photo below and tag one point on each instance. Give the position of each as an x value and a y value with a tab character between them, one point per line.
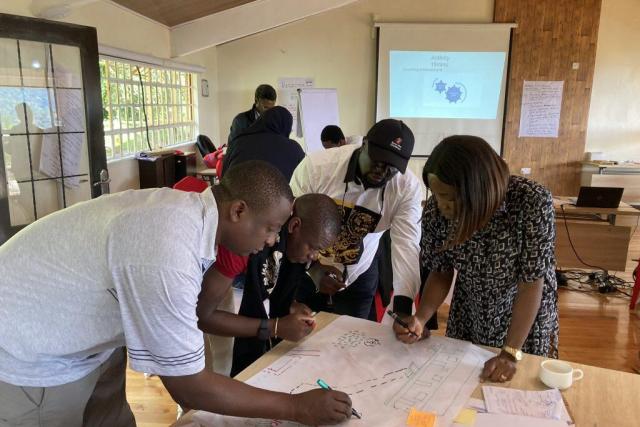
447	85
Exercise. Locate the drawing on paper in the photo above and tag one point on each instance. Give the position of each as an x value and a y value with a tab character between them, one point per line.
383	377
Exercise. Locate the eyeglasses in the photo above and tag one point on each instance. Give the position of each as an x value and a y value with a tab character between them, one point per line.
384	167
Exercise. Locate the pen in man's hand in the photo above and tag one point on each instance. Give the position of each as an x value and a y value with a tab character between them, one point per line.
401	322
325	386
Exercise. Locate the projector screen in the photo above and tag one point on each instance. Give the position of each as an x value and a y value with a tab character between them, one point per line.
444	79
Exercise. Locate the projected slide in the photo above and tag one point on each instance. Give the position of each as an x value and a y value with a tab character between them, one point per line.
448	85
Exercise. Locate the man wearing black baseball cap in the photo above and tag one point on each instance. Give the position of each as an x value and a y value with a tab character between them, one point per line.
389	144
375	193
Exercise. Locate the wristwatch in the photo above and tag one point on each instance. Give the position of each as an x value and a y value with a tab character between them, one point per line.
514	352
263	330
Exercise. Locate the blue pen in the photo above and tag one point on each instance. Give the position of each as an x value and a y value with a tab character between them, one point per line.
325	386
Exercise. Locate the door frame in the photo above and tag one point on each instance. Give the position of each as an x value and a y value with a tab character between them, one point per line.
86	40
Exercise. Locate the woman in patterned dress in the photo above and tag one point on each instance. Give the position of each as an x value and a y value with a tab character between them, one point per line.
497	232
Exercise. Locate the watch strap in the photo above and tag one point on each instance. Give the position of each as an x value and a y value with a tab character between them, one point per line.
263	330
513	352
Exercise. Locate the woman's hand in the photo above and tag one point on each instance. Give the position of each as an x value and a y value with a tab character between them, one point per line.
499	369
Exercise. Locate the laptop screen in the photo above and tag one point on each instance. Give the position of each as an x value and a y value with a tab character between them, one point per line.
599	197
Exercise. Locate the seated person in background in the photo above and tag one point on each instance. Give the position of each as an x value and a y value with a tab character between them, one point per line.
265	98
332	137
121	274
375	192
497	231
272	274
268	140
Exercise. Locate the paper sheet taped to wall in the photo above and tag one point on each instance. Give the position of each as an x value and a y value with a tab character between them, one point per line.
540	111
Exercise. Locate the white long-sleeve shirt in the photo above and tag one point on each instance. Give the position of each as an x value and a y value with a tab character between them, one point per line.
367	213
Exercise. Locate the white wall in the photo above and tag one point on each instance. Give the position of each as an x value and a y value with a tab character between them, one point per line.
614	115
337	48
121	28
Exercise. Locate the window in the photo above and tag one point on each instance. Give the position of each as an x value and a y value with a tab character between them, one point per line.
169	115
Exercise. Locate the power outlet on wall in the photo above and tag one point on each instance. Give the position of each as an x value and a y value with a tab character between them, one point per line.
525	171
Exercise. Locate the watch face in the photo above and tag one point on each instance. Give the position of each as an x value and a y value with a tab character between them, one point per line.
516	354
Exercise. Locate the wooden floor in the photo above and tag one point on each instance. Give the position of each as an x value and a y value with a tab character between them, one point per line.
595	329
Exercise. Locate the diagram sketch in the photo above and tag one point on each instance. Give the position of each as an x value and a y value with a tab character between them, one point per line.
384	377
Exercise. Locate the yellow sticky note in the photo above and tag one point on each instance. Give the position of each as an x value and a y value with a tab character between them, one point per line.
466	417
421	419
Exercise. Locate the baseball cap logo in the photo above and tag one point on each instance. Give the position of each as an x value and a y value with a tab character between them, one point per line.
397	144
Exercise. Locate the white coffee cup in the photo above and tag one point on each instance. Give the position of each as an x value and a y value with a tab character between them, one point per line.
558	374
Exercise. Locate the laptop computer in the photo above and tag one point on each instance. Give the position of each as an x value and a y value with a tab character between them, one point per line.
599	197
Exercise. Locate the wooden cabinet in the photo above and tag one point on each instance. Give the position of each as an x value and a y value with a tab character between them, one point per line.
185	165
164	170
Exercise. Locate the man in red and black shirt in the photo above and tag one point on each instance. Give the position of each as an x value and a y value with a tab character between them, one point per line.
274	274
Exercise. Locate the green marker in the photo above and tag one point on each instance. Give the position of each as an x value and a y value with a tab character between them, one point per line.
325	386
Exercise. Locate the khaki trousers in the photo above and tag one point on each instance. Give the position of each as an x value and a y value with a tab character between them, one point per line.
96	400
219	350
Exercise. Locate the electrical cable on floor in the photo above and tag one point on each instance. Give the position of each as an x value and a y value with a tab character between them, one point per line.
599	281
566	226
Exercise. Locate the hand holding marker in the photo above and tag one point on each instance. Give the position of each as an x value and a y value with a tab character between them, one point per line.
401	322
325	386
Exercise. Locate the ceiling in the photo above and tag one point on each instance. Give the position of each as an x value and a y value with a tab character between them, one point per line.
172	12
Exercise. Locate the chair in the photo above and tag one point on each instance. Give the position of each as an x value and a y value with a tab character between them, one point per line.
191	183
636	287
205	145
209	156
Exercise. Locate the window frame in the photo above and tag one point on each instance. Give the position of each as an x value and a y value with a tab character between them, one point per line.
170	99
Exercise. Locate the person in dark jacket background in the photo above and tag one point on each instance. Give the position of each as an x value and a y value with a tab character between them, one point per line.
265	98
267	140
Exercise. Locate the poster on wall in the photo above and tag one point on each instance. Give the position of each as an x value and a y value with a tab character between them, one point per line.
288	97
540	111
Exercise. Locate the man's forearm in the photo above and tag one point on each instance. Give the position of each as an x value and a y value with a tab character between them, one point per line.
227	324
216	393
525	310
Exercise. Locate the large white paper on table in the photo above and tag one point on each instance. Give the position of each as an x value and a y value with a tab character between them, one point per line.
540	110
384	377
288	97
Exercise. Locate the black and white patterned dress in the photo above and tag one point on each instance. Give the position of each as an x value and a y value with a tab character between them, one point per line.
516	246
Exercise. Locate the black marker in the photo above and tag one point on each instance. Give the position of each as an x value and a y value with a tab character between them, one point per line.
401	322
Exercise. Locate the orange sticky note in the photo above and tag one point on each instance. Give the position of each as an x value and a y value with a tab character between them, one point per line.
466	417
420	418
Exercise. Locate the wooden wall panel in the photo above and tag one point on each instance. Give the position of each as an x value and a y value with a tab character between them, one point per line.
551	36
